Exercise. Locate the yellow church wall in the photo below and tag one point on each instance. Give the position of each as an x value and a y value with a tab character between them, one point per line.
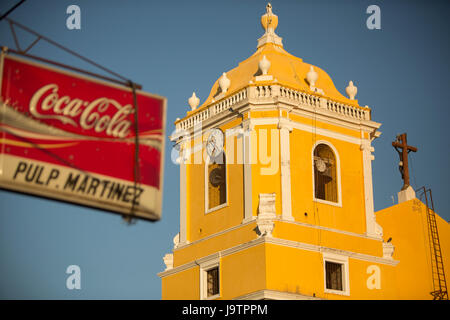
240	273
183	285
293	270
243	272
325	125
327	238
299	271
406	223
264	114
266	177
361	272
203	248
200	222
351	215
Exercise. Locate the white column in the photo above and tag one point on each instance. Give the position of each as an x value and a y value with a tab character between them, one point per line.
373	229
286	204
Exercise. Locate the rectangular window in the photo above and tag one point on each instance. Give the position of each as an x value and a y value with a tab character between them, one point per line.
334	275
212	278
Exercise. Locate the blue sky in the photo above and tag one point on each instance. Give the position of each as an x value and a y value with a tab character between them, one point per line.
175	47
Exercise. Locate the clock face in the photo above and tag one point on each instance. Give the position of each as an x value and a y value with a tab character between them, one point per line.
214	145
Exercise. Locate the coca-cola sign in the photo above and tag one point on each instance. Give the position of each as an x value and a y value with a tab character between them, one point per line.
72	138
47	104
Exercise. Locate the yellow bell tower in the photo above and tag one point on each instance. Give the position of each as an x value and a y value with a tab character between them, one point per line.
276	189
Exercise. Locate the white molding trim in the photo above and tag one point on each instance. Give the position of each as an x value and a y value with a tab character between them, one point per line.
342	260
338	174
225	204
281	242
274	295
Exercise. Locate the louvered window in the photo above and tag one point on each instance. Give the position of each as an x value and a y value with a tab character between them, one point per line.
334	275
212	279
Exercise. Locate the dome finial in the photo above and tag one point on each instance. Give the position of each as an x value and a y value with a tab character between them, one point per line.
351	90
193	101
264	65
312	76
269	22
224	82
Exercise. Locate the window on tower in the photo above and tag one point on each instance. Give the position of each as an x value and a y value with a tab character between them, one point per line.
336	274
217	182
210	279
325	182
212	282
333	276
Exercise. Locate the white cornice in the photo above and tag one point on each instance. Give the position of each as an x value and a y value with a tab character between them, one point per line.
274	295
349	233
245	223
280	242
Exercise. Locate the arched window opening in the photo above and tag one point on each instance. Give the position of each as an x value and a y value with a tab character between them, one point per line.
217	182
325	182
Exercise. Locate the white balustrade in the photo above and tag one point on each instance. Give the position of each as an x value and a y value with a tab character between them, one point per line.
266	92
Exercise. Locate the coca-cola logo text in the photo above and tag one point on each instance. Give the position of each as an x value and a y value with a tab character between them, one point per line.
47	104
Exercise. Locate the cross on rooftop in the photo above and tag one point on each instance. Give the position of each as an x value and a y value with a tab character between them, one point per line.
401	146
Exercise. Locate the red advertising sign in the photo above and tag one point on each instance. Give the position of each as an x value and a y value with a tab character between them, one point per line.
72	138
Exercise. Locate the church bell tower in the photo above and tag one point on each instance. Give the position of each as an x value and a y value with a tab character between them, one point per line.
276	197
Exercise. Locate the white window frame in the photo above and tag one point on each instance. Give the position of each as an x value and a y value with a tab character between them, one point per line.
338	175
342	260
204	268
225	204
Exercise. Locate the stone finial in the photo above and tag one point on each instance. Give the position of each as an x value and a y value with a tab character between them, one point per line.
269	21
388	250
176	240
168	261
312	76
193	101
351	90
266	214
264	65
224	82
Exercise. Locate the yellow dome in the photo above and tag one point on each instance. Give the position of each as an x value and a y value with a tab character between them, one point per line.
285	69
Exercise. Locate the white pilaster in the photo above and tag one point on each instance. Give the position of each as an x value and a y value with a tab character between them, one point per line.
372	227
286	204
183	199
247	163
